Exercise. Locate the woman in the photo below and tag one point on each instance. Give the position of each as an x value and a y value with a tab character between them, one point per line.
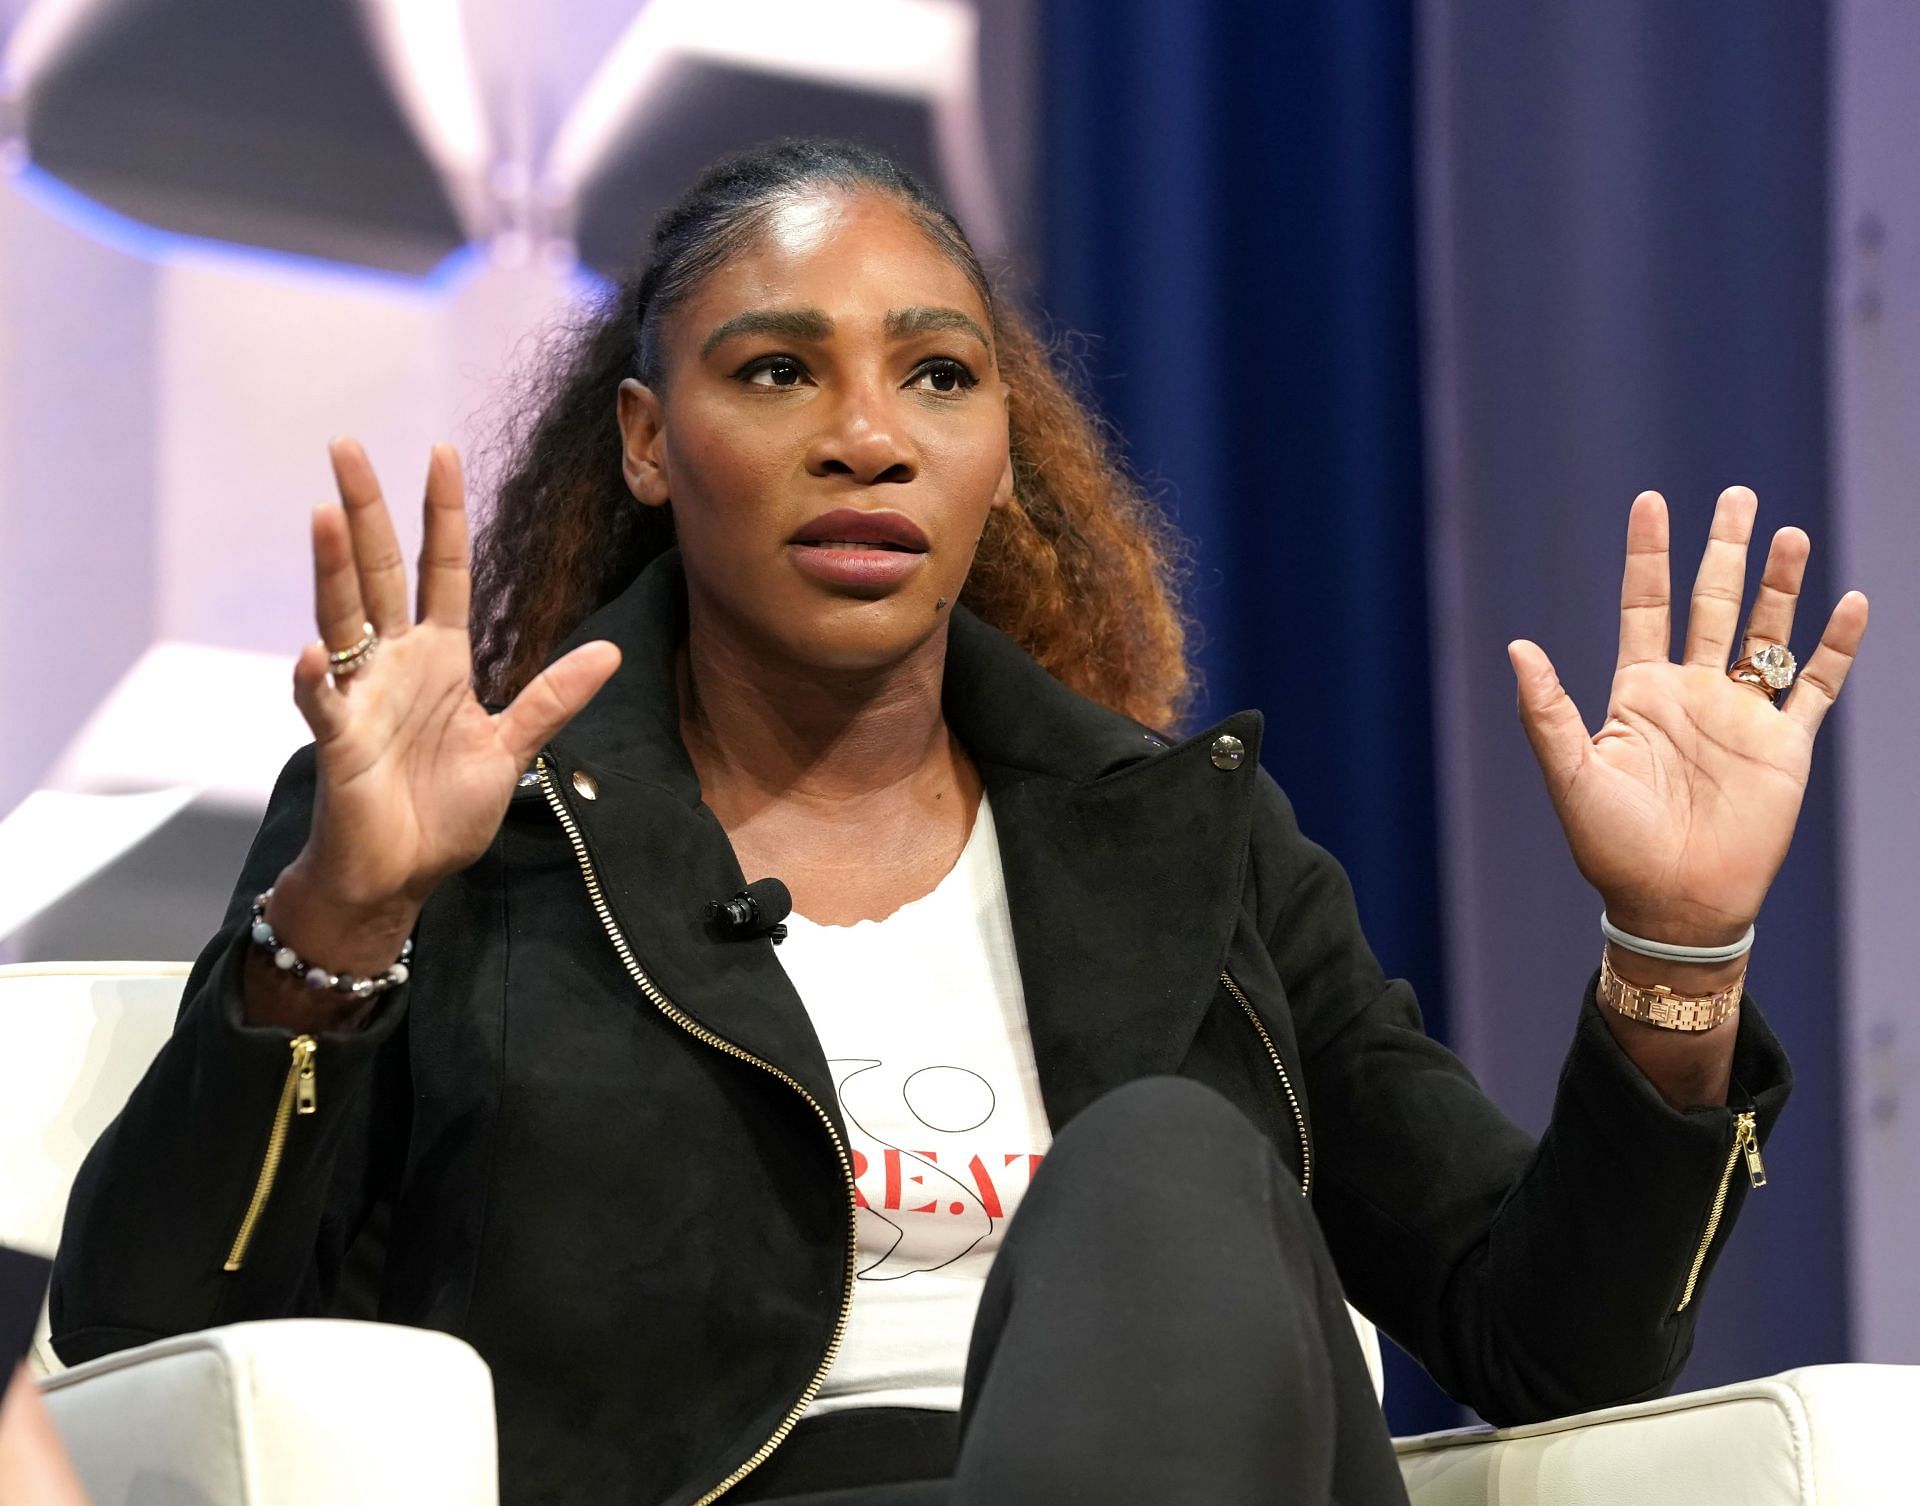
731	1217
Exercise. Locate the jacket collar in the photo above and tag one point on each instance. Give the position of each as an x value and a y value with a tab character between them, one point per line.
1006	709
1123	855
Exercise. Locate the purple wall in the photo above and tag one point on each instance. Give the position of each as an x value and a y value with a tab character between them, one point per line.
1626	288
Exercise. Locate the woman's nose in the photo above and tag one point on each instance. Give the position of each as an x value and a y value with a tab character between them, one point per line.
863	442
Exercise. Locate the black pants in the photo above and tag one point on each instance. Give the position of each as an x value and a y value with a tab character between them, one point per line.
1162	1326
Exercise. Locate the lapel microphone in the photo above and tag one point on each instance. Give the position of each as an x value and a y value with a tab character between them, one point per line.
760	909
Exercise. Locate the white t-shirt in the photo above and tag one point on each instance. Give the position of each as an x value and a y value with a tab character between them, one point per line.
925	1028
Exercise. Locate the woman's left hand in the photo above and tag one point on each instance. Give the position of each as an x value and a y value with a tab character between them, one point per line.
1680	808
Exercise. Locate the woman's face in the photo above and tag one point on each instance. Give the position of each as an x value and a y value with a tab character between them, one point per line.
831	432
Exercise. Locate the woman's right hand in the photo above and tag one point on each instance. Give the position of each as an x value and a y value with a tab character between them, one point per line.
414	774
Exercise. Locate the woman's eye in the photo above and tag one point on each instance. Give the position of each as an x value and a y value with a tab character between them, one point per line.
945	375
774	371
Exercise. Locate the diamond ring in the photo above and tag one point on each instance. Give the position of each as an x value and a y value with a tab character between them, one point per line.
342	662
1769	669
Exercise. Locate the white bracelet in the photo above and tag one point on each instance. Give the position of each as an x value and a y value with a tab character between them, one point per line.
1667	951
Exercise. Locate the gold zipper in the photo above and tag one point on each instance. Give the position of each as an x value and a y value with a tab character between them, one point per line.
1746	1142
297	1096
719	1043
1286	1083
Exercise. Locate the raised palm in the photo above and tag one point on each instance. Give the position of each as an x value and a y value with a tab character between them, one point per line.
1680	808
414	773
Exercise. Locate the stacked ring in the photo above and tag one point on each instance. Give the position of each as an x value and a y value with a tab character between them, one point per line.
1769	669
343	662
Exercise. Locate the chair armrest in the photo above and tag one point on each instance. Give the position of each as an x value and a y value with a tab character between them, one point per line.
1828	1435
296	1412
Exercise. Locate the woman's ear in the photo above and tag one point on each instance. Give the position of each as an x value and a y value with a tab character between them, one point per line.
643	443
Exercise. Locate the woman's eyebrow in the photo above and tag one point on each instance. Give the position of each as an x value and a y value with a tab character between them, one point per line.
791	324
903	324
815	325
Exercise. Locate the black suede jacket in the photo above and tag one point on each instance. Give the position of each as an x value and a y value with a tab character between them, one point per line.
613	1161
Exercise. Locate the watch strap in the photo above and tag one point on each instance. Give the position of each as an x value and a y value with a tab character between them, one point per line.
1661	1006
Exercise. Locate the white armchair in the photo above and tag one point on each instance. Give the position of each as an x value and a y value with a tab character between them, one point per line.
293	1413
301	1412
252	1414
1828	1435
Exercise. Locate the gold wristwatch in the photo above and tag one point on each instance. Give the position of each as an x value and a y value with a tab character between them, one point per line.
1660	1005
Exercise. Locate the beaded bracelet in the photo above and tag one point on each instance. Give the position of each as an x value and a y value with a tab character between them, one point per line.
317	977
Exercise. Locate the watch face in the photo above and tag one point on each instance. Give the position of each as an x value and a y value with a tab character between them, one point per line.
23	1286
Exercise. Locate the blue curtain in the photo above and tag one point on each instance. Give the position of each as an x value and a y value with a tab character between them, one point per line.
1227	212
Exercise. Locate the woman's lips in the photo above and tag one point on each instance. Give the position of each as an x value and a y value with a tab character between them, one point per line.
870	550
858	565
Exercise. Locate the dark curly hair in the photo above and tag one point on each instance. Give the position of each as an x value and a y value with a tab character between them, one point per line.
1081	570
